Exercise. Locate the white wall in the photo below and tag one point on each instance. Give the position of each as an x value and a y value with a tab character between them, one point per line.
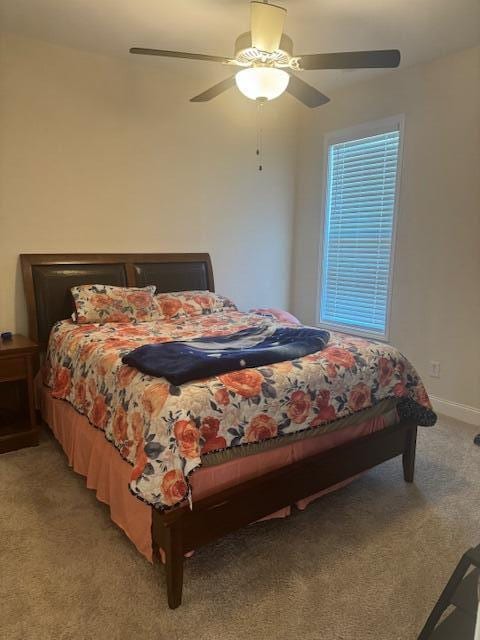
100	154
436	291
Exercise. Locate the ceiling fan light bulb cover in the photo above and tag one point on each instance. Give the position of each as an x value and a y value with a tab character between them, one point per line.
262	82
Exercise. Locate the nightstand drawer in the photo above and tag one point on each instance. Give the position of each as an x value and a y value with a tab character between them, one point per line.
13	368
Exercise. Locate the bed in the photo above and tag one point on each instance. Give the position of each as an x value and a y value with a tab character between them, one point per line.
321	444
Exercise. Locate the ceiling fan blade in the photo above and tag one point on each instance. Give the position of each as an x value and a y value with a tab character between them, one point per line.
267	22
215	91
180	54
386	59
304	92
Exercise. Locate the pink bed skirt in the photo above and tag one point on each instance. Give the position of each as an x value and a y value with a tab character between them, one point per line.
92	456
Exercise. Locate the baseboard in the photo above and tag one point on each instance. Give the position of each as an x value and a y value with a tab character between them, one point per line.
461	412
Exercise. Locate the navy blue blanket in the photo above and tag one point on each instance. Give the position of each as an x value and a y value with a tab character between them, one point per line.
185	361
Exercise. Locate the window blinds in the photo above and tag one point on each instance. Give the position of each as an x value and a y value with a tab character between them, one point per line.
359	223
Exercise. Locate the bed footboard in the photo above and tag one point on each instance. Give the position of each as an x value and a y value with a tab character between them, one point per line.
182	530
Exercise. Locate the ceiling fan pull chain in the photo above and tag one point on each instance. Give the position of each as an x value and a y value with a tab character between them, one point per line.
260	104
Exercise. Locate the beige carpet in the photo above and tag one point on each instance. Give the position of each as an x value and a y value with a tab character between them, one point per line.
365	563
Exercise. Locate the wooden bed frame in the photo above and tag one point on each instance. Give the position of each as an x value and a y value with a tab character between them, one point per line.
47	281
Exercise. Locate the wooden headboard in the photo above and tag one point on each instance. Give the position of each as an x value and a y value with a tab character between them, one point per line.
48	278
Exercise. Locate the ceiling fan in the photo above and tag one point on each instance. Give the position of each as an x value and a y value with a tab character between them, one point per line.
268	66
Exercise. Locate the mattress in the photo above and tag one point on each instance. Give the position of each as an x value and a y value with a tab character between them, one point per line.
168	433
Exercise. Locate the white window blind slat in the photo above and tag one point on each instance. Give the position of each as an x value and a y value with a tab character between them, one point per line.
358	232
356	163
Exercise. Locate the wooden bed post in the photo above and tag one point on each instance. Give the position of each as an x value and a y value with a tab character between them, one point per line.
174	565
408	457
168	535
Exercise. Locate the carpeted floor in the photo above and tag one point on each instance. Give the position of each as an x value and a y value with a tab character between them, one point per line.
364	563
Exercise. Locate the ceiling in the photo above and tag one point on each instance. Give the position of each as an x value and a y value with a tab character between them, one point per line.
421	29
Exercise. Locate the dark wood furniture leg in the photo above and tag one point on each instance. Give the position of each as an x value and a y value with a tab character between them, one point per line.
174	566
168	536
408	457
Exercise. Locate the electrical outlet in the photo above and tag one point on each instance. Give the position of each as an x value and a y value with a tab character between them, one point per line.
435	369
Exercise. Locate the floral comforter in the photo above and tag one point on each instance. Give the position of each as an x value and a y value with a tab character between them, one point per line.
162	430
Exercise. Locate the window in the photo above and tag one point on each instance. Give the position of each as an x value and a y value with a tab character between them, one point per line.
361	193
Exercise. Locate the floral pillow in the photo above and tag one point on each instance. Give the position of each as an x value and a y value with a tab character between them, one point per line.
181	304
104	303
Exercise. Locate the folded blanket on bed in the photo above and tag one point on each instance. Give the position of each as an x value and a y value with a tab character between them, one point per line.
184	361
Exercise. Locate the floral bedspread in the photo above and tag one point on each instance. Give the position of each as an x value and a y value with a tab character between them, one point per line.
162	430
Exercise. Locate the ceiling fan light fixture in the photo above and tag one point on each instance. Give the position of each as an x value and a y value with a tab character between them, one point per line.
262	83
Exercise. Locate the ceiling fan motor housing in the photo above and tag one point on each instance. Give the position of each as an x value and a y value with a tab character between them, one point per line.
247	55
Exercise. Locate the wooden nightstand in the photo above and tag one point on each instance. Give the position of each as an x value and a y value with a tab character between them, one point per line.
18	422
